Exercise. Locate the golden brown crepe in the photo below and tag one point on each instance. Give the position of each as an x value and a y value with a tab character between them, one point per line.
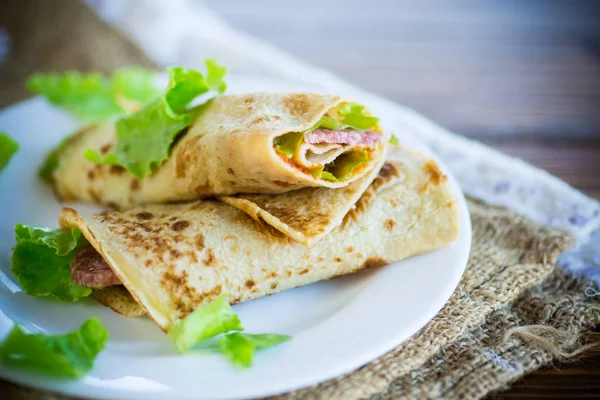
229	149
174	258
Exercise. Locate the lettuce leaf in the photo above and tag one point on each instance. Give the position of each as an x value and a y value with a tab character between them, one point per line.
239	347
94	97
352	115
203	323
289	143
70	355
41	261
347	163
134	83
394	140
89	96
144	138
8	147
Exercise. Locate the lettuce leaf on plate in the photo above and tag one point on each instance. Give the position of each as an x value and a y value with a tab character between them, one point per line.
41	261
144	138
203	323
94	97
70	355
8	147
394	140
239	347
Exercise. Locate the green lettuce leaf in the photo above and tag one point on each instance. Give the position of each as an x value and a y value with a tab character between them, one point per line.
70	355
144	138
394	140
288	144
41	261
239	347
203	323
94	97
135	83
89	96
347	162
8	147
352	115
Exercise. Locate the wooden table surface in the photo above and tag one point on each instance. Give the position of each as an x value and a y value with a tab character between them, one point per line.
521	76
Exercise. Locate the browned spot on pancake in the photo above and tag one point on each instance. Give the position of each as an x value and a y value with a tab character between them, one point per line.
210	259
276	117
337	259
450	204
193	257
247	252
304	271
283	183
134	185
105	149
116	170
359	255
250	283
180	225
203	190
289	273
249	100
230	171
258	120
389	224
274	285
288	212
434	173
319	259
91	175
373	262
199	240
393	202
236	300
349	249
113	206
144	215
297	103
94	195
388	171
175	253
187	155
273	274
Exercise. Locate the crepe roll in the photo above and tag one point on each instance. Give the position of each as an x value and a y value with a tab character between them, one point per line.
257	143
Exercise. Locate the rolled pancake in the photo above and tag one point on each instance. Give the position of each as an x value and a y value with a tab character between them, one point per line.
174	258
229	149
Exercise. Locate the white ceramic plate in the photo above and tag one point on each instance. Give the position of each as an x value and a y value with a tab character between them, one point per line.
336	325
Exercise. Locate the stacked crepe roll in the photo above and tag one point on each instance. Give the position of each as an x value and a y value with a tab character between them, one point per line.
258	196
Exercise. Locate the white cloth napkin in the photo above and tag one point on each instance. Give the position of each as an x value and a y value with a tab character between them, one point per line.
184	32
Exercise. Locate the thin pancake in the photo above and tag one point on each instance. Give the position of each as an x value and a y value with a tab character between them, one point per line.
174	258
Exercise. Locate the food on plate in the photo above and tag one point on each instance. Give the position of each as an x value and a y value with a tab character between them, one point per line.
171	259
256	143
214	200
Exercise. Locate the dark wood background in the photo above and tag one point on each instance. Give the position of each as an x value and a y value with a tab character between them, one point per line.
522	76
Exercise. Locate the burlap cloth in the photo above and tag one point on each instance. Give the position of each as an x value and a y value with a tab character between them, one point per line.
513	311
